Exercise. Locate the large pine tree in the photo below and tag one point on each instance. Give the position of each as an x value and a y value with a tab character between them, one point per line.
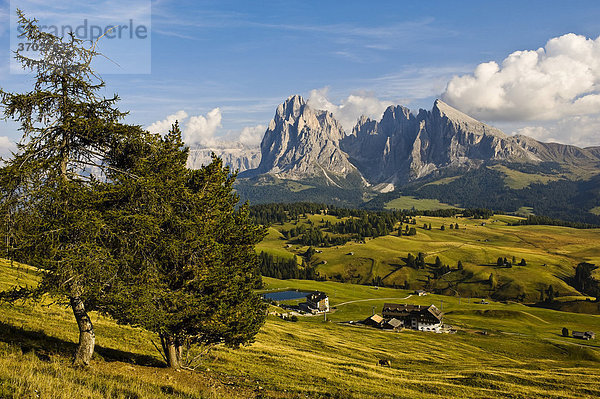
48	194
189	262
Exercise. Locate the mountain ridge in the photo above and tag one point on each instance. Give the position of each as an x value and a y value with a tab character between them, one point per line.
304	143
440	154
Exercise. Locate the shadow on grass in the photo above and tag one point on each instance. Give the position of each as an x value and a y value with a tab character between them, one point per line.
44	346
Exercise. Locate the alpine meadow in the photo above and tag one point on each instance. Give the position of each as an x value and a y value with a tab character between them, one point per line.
317	200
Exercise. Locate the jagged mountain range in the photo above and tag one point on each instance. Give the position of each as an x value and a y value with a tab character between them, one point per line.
442	154
303	143
236	157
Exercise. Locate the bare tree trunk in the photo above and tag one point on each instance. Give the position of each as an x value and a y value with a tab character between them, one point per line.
87	338
172	349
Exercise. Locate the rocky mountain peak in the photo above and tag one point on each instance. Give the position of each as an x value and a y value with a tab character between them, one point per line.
292	107
302	142
396	118
462	121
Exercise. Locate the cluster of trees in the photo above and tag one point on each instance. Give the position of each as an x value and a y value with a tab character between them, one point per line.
478	213
358	224
314	236
416	262
503	262
443	227
371	224
114	220
267	214
439	268
547	221
286	268
550	294
408	231
584	282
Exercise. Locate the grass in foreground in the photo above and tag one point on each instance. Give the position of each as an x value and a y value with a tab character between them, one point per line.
523	355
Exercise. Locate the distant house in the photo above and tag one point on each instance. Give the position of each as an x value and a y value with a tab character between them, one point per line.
417	317
317	301
420	292
394	324
374	321
584	335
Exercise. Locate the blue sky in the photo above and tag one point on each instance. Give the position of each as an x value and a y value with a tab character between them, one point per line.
244	58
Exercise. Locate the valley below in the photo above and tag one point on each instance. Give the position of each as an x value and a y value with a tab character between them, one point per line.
501	348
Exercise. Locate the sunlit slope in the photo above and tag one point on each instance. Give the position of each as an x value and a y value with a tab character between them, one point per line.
551	254
522	356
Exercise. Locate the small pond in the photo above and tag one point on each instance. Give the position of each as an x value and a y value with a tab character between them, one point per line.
286	295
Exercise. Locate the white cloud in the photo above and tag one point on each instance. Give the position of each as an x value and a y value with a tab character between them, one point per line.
539	133
582	131
351	108
203	130
162	127
560	80
6	146
200	130
251	136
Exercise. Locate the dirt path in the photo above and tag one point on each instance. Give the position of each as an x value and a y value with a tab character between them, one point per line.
572	343
445	249
370	299
535	317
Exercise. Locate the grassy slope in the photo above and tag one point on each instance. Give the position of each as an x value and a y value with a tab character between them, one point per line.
409	202
38	339
517	180
523	356
477	246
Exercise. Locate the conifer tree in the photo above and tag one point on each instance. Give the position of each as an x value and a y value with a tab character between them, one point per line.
493	281
188	253
48	193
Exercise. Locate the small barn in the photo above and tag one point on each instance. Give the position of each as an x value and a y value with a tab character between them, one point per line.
374	321
393	324
584	335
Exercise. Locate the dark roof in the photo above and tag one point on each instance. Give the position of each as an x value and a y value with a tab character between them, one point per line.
407	309
396	307
316	296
